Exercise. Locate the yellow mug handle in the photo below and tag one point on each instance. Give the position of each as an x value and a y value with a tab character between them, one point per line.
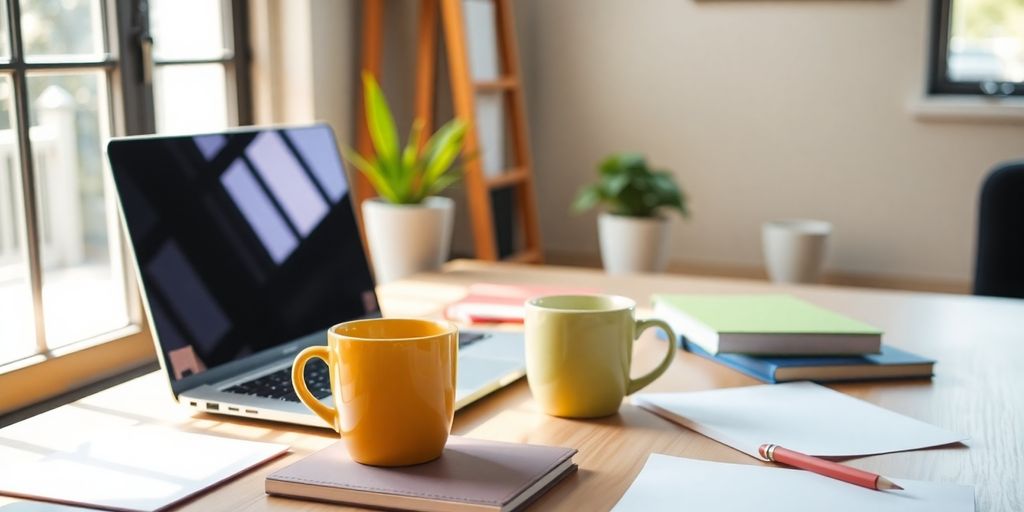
329	414
642	382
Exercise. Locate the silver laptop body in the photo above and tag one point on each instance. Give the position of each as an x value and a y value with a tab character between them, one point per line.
248	250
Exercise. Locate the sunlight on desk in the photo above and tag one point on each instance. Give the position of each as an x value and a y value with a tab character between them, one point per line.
30	440
418	298
139	468
514	423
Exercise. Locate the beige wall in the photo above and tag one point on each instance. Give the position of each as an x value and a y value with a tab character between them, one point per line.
763	109
303	62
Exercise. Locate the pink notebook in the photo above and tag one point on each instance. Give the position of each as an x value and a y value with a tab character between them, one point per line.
501	303
471	475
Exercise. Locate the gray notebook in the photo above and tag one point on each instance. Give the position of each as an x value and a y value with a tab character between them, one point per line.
471	475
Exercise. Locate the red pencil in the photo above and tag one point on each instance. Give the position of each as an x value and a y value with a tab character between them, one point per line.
776	453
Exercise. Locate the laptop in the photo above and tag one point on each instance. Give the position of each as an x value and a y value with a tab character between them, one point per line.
247	251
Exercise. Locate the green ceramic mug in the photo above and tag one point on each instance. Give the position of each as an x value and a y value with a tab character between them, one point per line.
578	353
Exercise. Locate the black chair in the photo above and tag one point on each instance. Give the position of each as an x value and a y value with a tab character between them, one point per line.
999	264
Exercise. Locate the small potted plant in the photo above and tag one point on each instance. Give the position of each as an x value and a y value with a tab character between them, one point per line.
408	227
633	231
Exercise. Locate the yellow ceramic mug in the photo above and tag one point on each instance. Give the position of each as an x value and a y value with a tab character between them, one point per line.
578	353
393	383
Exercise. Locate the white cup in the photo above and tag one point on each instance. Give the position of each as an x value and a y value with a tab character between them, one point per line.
794	249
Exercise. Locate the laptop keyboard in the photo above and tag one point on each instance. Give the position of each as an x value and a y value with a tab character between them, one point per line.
278	385
465	338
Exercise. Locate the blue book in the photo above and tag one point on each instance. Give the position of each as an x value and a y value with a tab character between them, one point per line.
891	363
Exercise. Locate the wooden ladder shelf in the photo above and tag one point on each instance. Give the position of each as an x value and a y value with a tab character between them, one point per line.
478	186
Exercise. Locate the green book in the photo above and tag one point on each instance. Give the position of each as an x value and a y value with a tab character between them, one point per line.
765	325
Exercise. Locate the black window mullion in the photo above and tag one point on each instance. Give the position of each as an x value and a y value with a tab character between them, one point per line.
136	92
940	46
68	65
241	61
186	62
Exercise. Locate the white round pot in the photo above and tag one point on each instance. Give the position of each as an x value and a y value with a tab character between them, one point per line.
408	238
794	249
633	244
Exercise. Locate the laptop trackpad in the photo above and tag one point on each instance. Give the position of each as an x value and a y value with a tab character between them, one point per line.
477	372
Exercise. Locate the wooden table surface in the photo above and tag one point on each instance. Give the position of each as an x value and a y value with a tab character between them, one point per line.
978	390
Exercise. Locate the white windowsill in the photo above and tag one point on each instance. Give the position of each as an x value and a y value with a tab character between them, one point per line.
969	109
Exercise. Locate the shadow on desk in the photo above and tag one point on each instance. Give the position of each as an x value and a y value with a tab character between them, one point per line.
71	396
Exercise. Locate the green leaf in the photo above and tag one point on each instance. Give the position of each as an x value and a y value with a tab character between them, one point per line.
587	198
442	148
662	182
627	186
442	182
610	166
406	174
613	185
621	162
631	202
412	145
372	173
633	162
381	124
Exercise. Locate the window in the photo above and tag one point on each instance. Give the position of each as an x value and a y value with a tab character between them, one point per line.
978	47
73	73
195	64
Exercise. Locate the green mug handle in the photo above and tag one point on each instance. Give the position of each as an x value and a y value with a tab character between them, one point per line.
642	382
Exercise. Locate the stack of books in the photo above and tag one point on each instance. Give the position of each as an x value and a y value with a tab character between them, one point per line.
779	338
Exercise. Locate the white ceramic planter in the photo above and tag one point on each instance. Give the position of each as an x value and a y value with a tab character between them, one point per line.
633	244
406	239
794	249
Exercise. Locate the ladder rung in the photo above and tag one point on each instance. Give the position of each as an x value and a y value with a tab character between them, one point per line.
524	256
500	84
509	177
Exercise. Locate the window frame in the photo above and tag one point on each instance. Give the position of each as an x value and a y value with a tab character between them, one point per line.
131	111
938	76
140	110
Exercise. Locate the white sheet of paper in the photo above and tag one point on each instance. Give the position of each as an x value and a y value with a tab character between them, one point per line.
801	416
135	468
676	483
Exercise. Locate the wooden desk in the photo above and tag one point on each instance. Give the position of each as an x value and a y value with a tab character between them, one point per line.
978	390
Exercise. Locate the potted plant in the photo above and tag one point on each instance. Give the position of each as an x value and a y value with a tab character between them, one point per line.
633	232
408	227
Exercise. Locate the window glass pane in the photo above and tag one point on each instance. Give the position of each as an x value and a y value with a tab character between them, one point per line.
188	29
83	283
17	329
987	41
5	37
62	30
190	98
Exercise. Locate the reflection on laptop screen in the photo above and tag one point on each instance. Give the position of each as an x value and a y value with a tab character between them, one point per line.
244	240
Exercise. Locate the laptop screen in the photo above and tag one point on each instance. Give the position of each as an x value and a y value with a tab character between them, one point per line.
244	240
